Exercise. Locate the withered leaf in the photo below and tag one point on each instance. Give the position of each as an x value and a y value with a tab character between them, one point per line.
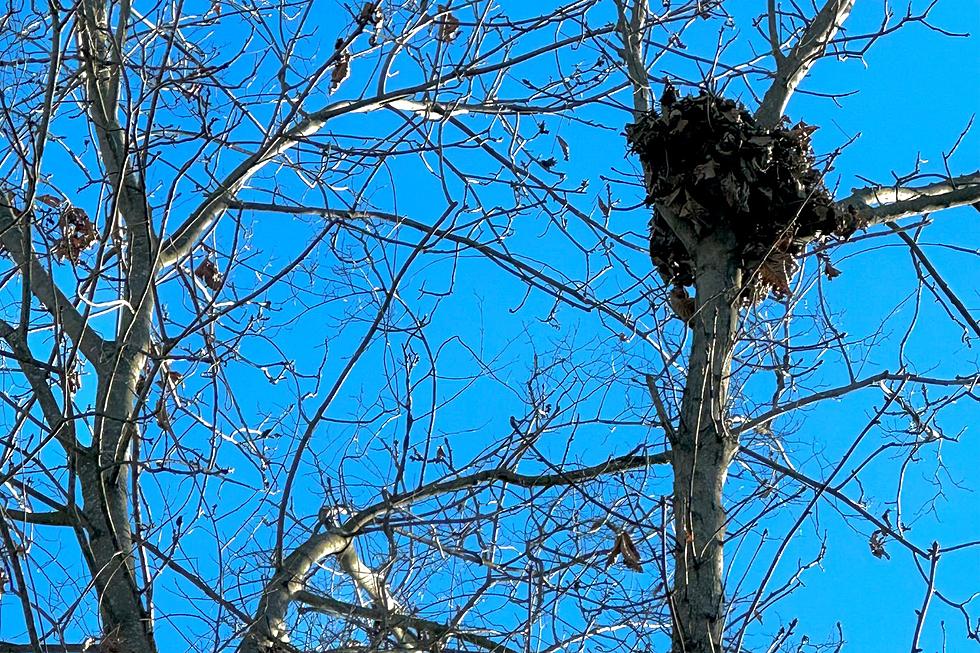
448	24
73	380
162	415
78	233
877	544
624	547
170	378
829	270
341	69
209	274
564	147
705	171
683	305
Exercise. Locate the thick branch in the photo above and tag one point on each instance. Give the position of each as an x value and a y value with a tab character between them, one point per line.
621	464
368	581
41	384
791	69
873	205
766	418
269	628
54	518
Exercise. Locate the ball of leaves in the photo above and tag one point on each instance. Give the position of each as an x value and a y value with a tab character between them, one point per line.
709	163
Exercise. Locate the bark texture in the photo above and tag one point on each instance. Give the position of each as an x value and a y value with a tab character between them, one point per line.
702	451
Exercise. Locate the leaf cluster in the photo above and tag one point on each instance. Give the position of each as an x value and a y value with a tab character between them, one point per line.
710	164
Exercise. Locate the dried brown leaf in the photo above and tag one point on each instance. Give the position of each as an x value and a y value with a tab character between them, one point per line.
631	556
564	147
829	270
78	233
341	70
448	24
877	544
624	547
209	274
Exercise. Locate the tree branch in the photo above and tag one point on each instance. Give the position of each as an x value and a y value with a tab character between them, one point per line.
876	205
332	606
791	69
938	278
44	289
268	627
766	418
53	518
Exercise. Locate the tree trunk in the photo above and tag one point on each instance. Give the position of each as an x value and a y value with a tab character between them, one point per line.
702	452
108	543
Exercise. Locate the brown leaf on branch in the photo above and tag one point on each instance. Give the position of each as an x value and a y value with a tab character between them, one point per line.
209	274
684	305
162	415
624	547
829	270
78	233
341	69
877	544
448	24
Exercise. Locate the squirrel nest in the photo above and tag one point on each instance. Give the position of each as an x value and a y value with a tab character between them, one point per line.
709	163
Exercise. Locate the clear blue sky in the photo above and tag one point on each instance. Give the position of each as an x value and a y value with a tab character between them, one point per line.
915	94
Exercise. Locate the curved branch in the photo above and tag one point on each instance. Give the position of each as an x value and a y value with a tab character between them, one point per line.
268	627
332	606
766	418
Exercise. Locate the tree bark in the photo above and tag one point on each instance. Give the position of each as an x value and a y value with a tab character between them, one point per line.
702	451
107	542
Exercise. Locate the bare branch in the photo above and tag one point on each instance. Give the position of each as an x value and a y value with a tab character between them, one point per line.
332	606
791	69
937	277
877	205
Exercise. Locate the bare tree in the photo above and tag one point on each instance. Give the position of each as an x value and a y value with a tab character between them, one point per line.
319	334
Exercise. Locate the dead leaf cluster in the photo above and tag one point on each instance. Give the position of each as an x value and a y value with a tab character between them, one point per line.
78	233
341	68
710	164
877	544
209	274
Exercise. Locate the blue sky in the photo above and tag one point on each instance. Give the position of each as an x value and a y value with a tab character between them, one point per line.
486	335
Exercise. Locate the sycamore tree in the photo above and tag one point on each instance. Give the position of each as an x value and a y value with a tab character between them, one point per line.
480	326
